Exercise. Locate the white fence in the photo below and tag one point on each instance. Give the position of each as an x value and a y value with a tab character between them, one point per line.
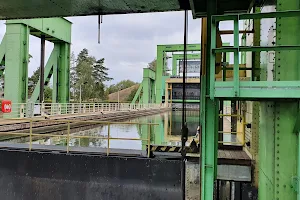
29	110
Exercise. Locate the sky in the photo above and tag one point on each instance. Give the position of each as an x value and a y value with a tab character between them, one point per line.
128	42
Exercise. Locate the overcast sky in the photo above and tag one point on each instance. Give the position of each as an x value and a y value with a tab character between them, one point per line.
128	42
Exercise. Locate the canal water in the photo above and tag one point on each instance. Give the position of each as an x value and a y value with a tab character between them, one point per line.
166	132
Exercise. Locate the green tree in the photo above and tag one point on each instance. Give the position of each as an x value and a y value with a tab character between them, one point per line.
48	93
89	74
120	86
73	75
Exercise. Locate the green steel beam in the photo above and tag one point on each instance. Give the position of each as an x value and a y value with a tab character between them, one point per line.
49	69
258	89
149	73
2	49
176	57
148	80
137	94
187	101
55	29
161	50
16	62
257	48
255	105
63	74
245	16
209	114
16	52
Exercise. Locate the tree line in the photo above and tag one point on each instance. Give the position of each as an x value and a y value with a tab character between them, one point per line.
88	74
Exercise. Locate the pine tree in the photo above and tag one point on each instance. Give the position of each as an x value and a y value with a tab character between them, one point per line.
100	75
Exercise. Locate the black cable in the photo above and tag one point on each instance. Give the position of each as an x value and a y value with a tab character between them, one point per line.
184	131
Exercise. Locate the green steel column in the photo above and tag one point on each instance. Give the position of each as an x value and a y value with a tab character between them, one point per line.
209	119
287	69
152	91
255	109
16	61
146	90
174	66
64	73
55	74
278	158
158	75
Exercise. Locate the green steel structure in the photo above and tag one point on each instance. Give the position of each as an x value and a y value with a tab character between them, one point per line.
276	97
14	54
160	65
177	57
145	93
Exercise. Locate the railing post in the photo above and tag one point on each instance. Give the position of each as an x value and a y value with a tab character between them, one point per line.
84	107
73	108
22	108
236	78
30	135
149	139
68	137
94	108
59	109
108	139
43	109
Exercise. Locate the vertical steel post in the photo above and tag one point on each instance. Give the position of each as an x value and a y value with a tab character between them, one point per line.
68	137
236	78
209	108
30	136
42	68
108	139
149	140
16	64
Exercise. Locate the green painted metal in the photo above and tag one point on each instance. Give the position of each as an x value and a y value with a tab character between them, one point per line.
55	29
176	57
187	101
209	113
161	50
257	48
266	151
137	94
15	49
244	16
255	75
16	62
49	69
248	89
236	63
287	69
2	49
63	74
258	89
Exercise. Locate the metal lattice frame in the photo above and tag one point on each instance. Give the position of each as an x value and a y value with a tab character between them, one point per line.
15	51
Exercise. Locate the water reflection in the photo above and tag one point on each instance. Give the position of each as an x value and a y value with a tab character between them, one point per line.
167	132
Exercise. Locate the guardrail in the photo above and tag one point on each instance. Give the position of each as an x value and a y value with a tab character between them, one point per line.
30	110
240	135
68	136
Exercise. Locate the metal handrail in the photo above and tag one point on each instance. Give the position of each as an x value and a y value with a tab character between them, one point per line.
26	110
69	136
231	132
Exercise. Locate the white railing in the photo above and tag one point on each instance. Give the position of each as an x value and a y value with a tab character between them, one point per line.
29	110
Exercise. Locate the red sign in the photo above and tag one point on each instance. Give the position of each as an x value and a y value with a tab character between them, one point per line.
6	106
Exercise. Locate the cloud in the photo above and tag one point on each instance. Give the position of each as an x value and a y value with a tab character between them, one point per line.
128	42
